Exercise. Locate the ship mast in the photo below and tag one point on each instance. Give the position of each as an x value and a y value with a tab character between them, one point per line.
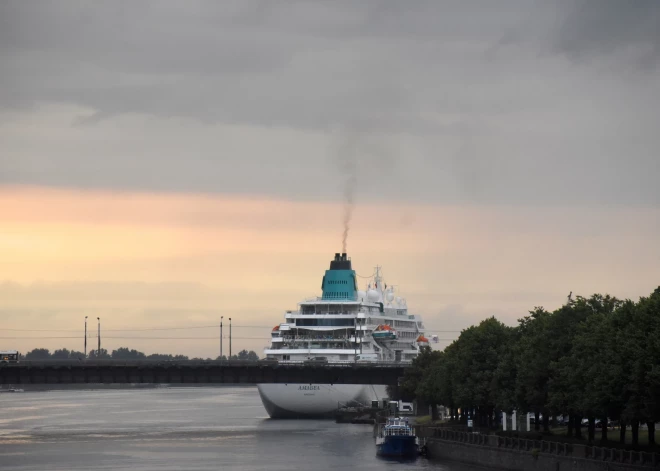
377	278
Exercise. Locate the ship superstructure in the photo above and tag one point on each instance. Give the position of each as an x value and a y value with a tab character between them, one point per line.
348	324
344	324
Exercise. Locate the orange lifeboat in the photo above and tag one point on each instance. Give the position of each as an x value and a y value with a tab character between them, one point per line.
384	332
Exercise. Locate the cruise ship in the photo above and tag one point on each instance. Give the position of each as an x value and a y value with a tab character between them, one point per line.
344	324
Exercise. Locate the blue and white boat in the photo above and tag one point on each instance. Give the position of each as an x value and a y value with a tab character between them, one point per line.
397	439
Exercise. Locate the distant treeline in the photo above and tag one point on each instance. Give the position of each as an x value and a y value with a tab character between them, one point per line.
123	354
594	358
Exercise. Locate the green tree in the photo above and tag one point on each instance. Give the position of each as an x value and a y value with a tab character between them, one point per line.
650	310
563	390
434	387
594	368
76	355
478	353
38	354
531	355
415	373
124	353
252	356
94	355
61	354
505	376
243	355
642	347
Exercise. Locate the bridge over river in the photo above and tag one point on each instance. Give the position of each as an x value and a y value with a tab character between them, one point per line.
195	372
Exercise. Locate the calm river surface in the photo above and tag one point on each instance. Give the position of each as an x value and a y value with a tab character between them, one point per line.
177	429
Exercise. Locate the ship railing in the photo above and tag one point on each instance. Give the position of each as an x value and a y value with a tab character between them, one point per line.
286	348
312	299
333	313
311	337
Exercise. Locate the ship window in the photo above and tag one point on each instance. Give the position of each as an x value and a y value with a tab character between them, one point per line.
308	309
324	322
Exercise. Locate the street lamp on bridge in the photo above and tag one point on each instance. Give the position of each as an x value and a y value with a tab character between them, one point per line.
221	317
230	338
85	350
98	352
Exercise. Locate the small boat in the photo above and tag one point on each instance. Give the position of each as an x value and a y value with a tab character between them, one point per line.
11	390
397	439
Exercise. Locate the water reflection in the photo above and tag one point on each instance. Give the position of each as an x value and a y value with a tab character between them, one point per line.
179	428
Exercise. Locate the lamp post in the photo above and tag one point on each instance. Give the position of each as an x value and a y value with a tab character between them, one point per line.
85	350
221	317
98	352
230	338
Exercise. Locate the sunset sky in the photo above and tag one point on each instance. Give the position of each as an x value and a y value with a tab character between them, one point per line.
163	164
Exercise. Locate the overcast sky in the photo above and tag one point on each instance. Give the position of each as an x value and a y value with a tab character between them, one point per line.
504	153
509	101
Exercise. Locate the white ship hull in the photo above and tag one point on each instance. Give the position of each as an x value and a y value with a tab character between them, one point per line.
315	400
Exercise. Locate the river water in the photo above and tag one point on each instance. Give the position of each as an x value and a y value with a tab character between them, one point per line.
223	428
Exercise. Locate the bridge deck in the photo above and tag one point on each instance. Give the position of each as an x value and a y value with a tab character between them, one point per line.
196	371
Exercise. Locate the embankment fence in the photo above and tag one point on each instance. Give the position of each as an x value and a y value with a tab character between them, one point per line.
604	454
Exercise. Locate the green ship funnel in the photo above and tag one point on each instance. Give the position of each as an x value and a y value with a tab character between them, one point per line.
339	282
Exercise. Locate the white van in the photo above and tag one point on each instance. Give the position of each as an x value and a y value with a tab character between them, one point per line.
406	408
402	408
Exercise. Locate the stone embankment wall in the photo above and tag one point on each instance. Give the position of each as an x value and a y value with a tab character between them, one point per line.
530	455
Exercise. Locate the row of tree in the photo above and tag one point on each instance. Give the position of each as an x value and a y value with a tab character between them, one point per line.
596	358
123	353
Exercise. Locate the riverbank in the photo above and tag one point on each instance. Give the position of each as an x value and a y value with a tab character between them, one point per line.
530	455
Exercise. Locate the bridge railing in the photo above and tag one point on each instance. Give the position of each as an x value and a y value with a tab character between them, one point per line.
227	363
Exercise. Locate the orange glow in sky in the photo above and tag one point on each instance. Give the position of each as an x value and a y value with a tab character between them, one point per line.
144	260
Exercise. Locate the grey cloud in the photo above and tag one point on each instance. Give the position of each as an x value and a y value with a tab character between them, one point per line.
472	101
309	64
608	26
